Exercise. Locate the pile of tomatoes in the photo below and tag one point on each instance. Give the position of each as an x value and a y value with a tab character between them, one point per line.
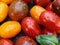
44	18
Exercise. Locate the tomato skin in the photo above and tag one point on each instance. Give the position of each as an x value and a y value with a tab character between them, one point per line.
3	11
10	29
7	1
56	6
42	2
50	20
18	10
6	42
35	12
49	7
27	1
25	40
46	31
30	27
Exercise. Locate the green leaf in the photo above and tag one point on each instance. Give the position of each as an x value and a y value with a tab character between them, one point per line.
47	40
50	37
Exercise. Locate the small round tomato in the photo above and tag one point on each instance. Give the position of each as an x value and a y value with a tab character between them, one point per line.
3	11
25	40
42	2
6	42
10	29
36	11
18	10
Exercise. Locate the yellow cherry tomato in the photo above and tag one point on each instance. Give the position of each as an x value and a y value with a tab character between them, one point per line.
7	1
10	29
3	11
36	11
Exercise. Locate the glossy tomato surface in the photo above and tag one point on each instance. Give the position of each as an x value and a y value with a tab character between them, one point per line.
6	42
25	40
18	10
31	4
30	27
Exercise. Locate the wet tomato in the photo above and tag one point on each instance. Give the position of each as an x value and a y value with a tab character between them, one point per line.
50	20
6	42
10	29
47	32
3	11
25	40
7	1
49	7
27	1
42	2
35	12
18	10
30	27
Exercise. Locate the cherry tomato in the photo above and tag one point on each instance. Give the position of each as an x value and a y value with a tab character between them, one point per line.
6	42
7	1
42	2
27	1
46	31
25	40
50	20
35	12
30	27
3	11
18	10
49	7
10	29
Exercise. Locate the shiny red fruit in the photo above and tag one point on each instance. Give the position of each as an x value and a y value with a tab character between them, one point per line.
50	20
46	31
6	42
27	1
42	2
25	40
49	7
30	27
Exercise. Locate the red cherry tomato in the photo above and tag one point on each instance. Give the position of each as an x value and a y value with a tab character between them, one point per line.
27	1
42	2
46	31
25	40
6	42
30	27
49	7
50	20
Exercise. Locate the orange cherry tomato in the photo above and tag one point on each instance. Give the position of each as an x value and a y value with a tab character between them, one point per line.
7	1
10	29
36	11
3	11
